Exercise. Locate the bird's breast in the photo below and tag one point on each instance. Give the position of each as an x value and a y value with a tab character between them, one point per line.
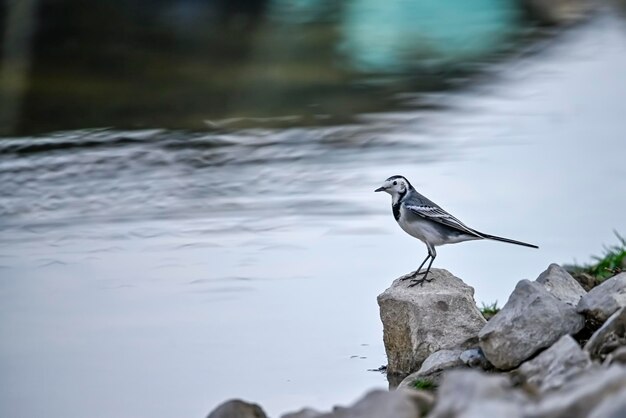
417	226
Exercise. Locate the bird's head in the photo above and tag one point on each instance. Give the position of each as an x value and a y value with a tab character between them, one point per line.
395	186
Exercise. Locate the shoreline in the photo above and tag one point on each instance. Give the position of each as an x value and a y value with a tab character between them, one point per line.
533	370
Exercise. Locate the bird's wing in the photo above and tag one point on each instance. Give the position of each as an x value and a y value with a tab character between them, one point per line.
436	214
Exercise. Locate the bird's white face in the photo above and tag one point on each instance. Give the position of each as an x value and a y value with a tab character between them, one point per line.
395	186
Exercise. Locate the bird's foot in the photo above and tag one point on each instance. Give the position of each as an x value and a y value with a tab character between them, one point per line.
412	275
421	281
415	282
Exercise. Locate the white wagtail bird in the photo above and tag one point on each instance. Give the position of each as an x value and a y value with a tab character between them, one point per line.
423	219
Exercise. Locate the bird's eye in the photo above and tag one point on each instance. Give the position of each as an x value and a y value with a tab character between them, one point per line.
395	183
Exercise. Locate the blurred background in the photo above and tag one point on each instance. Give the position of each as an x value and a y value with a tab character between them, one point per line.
186	186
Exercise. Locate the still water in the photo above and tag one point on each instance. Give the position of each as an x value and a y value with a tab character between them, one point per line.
159	272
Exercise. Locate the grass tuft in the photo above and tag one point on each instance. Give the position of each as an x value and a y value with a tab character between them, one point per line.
489	311
612	262
424	384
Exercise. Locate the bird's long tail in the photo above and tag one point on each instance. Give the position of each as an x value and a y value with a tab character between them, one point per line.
510	241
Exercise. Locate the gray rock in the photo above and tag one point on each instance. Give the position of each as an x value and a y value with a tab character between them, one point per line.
237	409
475	358
417	321
586	280
409	381
441	360
433	367
618	356
375	404
474	394
609	337
580	396
612	407
532	319
605	299
561	284
303	413
555	366
423	399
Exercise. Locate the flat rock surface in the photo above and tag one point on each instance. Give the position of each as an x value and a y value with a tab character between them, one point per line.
420	320
531	320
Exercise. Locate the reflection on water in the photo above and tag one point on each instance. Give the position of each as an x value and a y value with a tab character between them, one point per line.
402	36
160	271
181	63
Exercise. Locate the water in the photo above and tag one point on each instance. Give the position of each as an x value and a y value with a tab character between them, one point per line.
159	272
185	63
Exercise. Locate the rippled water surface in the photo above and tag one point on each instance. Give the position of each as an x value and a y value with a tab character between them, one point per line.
159	272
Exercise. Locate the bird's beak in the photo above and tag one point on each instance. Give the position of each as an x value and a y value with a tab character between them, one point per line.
380	189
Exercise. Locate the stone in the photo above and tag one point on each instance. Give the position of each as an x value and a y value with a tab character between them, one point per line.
555	366
618	356
610	336
303	413
531	320
597	393
561	284
586	280
420	320
612	407
441	360
433	367
424	400
237	409
475	358
375	404
579	397
605	299
475	394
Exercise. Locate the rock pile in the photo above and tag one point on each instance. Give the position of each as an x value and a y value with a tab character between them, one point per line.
553	351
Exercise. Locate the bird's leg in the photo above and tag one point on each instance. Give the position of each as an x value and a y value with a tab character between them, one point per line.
432	254
412	276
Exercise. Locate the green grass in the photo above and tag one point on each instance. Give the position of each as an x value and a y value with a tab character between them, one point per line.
489	311
424	384
613	261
